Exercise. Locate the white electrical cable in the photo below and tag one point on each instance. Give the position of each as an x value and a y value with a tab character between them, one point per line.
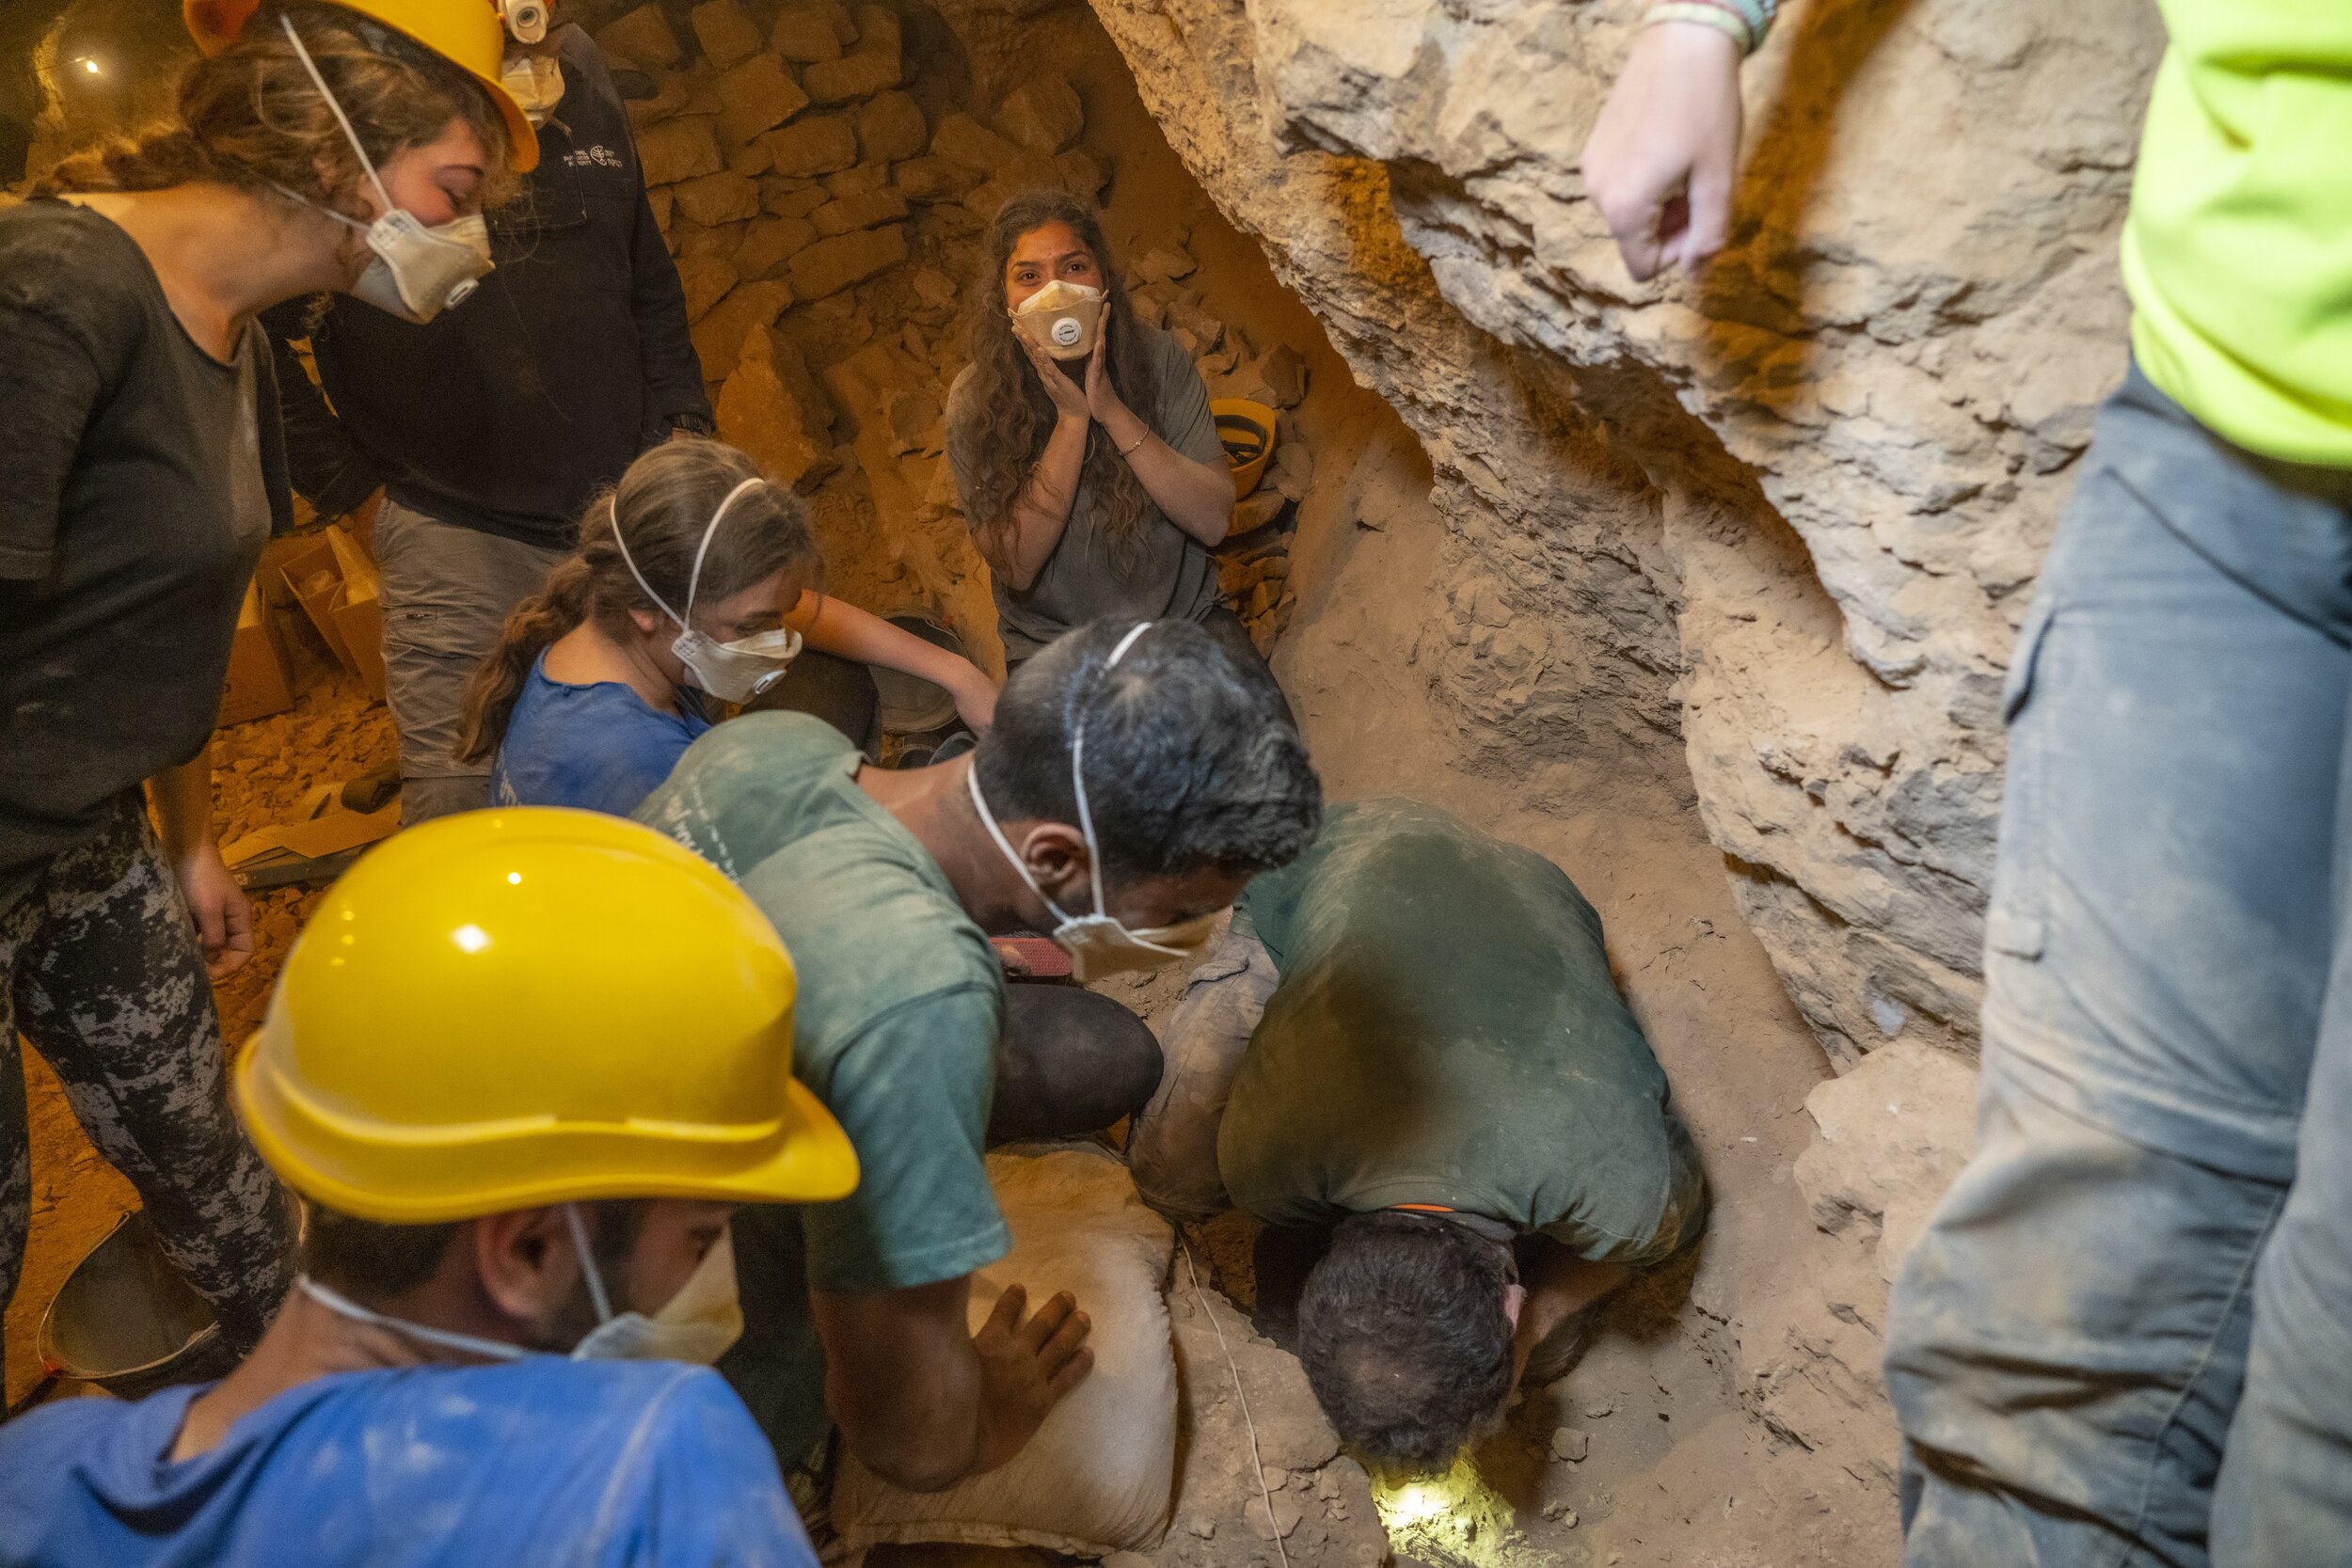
1256	1458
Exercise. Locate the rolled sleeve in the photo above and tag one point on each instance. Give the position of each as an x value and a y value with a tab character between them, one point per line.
50	383
912	1093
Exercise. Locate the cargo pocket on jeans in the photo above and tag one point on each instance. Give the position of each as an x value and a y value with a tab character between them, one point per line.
2017	922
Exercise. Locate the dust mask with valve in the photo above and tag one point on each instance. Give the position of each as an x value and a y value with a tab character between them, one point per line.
1063	319
732	671
417	271
1101	943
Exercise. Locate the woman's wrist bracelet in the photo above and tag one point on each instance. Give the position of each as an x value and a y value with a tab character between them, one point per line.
1744	22
1131	450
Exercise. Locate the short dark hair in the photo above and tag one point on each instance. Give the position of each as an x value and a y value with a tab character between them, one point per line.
1403	1332
374	1260
1192	759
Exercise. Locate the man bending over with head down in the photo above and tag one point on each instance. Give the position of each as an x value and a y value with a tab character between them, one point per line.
1406	1055
1137	775
523	1065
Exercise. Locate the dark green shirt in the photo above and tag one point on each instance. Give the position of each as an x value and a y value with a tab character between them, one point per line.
1446	1032
895	1029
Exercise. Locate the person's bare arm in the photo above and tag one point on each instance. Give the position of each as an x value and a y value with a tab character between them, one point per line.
1559	1286
1663	156
843	629
1196	496
1017	545
183	799
924	1402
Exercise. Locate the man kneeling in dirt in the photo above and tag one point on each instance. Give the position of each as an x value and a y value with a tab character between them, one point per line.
521	1124
1407	1056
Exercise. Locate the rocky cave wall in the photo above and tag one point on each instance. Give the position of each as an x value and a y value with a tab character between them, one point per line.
1784	519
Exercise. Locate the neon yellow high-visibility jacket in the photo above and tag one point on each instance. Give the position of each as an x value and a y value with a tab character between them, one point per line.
2238	251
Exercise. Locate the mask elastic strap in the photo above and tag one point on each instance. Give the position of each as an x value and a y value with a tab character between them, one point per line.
334	1301
597	1298
614	505
695	580
987	820
341	118
1078	777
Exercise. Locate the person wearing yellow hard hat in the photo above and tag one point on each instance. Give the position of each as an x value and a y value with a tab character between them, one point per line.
322	149
523	1065
467	454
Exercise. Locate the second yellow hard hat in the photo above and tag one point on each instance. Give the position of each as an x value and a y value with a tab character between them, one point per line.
509	1008
467	32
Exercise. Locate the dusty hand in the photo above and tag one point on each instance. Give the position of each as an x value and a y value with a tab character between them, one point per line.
1025	1368
976	701
1070	398
1102	401
1661	158
224	920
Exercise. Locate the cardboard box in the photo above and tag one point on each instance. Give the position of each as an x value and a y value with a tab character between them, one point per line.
259	680
337	586
315	852
359	611
312	576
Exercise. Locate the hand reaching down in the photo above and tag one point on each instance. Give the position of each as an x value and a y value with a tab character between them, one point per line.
224	920
1662	157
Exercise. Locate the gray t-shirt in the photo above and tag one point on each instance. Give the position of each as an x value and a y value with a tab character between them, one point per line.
1170	574
138	480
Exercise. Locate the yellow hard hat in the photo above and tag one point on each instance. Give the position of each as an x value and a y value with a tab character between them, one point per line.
1247	430
503	1010
467	32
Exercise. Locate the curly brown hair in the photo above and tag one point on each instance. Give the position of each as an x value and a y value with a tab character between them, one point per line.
1017	417
251	118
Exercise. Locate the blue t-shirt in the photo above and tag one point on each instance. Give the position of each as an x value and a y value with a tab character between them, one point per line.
599	747
591	1465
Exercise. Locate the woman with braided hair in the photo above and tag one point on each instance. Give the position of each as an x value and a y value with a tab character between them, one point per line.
691	587
314	148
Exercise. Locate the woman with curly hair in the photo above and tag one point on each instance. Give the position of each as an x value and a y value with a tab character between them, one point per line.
313	148
1095	483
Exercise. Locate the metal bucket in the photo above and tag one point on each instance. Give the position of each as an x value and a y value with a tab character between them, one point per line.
910	704
127	1321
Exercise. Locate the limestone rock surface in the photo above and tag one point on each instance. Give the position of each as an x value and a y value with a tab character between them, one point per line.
1786	518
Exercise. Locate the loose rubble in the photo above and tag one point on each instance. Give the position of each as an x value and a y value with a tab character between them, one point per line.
825	223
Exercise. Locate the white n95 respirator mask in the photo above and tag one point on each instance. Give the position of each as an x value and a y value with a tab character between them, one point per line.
698	1325
1101	943
533	81
1063	319
732	671
418	272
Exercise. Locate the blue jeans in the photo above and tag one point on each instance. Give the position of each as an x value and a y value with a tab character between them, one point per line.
2127	1332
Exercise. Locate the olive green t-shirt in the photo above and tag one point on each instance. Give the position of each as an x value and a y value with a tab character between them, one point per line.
895	1029
1446	1032
1169	575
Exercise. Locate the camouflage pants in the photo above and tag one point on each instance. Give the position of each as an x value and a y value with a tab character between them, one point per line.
100	972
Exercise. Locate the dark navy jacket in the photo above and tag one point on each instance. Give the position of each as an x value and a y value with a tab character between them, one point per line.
508	412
